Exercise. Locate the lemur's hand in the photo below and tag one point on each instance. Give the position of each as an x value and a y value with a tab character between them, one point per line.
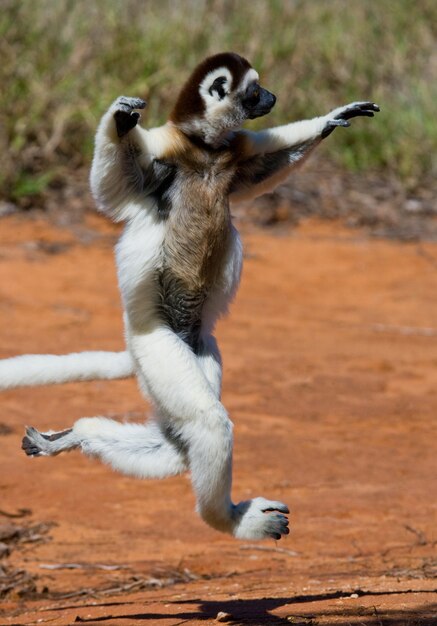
355	109
124	115
341	115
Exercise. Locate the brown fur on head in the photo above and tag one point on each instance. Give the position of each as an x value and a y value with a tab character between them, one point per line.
221	93
189	101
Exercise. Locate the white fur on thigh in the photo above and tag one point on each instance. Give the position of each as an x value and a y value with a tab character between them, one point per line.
140	450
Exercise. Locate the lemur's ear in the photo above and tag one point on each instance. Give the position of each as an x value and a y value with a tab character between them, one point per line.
218	87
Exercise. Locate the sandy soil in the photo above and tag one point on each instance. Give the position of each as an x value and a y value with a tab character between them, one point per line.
331	379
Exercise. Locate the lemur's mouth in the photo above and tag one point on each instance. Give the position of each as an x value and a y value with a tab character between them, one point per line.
259	113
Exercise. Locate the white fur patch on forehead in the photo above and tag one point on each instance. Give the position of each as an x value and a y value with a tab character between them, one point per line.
207	90
250	77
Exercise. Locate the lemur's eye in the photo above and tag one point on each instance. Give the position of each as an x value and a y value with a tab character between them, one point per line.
217	86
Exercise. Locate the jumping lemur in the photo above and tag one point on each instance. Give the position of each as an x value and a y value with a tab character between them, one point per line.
179	262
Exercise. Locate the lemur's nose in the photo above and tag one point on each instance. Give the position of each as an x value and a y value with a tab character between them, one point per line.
272	99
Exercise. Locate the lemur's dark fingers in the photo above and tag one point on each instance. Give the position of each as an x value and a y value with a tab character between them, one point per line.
123	108
358	109
347	115
125	113
132	103
365	105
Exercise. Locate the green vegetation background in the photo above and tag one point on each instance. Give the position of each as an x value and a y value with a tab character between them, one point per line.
64	61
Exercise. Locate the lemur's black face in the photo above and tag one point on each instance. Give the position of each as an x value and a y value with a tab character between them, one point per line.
257	101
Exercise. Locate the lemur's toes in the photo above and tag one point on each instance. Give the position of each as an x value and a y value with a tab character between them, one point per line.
277	526
30	447
30	443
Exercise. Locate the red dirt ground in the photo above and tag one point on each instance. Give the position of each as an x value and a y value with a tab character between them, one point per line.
330	358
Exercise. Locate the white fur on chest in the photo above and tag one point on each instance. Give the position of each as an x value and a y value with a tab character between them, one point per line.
139	257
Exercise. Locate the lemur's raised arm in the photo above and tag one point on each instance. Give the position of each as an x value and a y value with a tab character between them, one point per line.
127	166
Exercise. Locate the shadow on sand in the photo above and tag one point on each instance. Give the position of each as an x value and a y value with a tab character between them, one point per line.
257	612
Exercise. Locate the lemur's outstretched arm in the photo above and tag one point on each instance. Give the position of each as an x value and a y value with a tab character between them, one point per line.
297	133
272	153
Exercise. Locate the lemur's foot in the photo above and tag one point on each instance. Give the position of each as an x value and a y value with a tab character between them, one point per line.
340	116
34	443
42	444
261	519
124	115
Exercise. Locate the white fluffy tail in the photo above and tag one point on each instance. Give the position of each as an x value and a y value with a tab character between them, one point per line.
48	369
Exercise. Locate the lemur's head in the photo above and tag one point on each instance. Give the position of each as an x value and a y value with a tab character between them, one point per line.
221	93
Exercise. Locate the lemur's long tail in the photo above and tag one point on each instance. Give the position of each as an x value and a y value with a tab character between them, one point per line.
48	369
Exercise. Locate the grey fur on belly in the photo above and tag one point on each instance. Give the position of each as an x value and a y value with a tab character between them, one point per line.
181	307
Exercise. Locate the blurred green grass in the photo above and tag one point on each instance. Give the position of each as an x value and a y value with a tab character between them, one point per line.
64	61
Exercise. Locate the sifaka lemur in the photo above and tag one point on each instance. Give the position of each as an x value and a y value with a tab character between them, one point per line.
179	261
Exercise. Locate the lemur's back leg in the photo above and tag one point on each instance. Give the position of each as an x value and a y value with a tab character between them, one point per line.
185	390
142	450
